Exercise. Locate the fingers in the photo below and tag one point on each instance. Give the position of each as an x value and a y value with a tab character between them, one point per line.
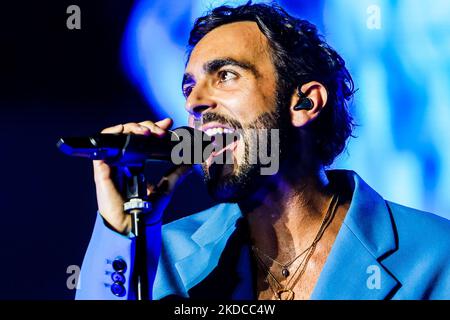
158	128
145	127
165	123
168	183
102	172
109	199
115	129
161	194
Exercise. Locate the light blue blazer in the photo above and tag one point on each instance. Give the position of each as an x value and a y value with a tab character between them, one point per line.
382	251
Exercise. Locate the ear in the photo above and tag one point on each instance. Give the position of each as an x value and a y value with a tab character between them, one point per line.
318	94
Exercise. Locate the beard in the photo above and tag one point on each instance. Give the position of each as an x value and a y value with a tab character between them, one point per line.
236	181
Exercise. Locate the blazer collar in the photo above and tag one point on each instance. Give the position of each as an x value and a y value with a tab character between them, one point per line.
192	247
354	268
211	238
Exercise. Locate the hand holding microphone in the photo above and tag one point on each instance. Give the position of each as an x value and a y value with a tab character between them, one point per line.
126	200
110	201
129	147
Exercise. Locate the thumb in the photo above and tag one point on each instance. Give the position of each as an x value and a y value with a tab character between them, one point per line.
165	124
168	183
161	194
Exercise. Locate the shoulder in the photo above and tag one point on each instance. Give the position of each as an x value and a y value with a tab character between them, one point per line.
422	260
420	226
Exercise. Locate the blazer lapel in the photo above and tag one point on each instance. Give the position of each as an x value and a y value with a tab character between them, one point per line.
232	278
192	248
354	268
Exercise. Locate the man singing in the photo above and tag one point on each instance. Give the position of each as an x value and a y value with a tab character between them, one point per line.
302	232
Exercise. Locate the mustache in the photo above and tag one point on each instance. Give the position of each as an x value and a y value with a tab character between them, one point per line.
266	120
214	117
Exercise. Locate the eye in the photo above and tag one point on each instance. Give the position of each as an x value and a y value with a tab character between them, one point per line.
187	90
226	75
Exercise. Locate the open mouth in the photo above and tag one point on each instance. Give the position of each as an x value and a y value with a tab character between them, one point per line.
224	138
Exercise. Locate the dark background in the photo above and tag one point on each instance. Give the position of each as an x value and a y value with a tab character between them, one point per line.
55	82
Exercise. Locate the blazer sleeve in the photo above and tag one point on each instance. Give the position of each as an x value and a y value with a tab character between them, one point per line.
107	265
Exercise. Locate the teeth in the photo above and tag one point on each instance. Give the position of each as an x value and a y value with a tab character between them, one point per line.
210	132
213	131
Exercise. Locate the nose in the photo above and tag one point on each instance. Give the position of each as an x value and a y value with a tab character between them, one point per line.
199	101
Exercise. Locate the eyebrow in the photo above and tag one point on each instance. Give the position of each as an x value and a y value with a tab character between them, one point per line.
212	66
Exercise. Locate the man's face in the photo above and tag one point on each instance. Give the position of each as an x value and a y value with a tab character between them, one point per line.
230	82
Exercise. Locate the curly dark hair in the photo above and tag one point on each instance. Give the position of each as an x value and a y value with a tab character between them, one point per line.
300	54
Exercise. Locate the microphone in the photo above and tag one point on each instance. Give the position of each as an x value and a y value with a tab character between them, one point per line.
183	145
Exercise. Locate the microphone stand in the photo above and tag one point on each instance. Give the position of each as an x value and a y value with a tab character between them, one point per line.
138	206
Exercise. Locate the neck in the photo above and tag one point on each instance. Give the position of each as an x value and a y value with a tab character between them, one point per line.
285	214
